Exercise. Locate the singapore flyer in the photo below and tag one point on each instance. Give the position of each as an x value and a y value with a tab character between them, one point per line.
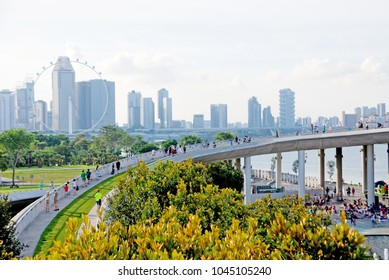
66	105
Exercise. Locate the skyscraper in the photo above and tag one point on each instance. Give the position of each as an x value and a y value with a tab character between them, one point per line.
358	112
268	119
254	113
7	112
218	115
63	83
134	108
287	117
381	109
164	109
40	116
198	121
148	113
94	104
25	106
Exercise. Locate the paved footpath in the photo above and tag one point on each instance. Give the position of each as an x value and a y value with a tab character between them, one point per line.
34	230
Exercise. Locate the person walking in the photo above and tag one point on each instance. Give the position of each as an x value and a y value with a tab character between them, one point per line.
88	174
47	200
98	197
56	200
83	178
66	189
52	185
74	187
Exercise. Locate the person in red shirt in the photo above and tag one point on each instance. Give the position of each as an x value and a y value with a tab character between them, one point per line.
66	189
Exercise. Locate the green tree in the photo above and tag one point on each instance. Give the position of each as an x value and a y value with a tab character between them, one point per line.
330	171
190	140
224	135
15	143
10	247
169	142
273	164
295	166
225	176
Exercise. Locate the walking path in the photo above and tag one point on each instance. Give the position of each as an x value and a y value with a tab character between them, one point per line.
32	233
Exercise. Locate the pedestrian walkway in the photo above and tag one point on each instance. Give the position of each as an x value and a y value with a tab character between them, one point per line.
32	233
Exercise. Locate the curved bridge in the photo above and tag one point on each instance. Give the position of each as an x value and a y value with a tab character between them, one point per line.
364	138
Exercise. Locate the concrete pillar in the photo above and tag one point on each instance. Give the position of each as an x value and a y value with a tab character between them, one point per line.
247	180
301	177
339	174
387	151
370	174
278	170
364	169
237	164
322	180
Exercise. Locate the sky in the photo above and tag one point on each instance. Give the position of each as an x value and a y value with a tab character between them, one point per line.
333	54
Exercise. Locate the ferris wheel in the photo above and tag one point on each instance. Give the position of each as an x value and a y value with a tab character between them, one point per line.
72	110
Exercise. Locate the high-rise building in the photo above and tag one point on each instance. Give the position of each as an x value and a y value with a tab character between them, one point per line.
358	112
373	111
40	116
307	121
83	105
148	113
268	119
164	109
94	104
25	106
349	121
254	113
198	121
7	112
381	109
365	111
287	115
63	83
333	121
134	109
219	116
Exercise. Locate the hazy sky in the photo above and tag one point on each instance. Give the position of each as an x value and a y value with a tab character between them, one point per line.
333	54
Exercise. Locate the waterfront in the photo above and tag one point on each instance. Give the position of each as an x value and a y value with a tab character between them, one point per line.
352	163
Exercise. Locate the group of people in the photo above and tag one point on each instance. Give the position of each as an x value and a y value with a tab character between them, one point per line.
173	150
47	201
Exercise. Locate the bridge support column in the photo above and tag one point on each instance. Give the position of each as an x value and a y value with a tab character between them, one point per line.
364	169
370	174
301	177
247	180
278	170
322	179
237	164
339	174
387	151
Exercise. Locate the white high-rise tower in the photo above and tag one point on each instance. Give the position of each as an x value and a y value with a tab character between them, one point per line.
63	82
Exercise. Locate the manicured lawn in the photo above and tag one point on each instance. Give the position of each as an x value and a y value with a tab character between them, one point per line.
56	230
32	177
8	190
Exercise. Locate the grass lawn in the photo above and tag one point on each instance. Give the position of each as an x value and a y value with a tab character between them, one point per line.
56	230
33	176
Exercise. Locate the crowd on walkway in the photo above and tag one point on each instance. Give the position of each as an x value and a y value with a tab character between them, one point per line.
354	207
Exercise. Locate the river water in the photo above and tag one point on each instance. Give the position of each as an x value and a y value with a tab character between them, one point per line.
352	163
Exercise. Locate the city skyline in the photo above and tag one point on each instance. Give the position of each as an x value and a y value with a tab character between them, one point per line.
332	55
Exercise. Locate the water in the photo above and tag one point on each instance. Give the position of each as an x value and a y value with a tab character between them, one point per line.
352	163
